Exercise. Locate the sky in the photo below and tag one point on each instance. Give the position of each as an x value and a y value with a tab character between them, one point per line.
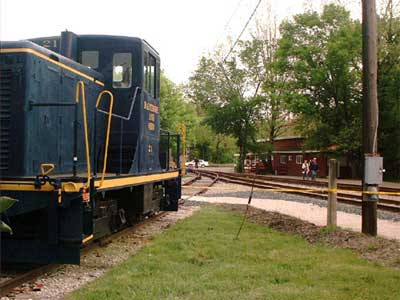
181	30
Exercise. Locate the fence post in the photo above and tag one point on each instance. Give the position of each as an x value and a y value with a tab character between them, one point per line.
332	186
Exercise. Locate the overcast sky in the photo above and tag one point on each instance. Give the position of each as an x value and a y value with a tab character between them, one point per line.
181	30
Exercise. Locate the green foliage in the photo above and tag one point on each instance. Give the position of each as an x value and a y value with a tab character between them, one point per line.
208	145
174	110
221	89
372	247
201	140
259	57
5	228
321	55
389	91
5	203
328	229
235	118
223	148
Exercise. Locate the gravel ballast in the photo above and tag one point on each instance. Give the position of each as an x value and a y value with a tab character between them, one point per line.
95	263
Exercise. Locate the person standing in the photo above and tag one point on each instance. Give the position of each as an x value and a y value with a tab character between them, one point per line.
314	167
305	168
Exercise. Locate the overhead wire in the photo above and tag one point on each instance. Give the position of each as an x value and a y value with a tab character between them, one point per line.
230	19
244	28
237	40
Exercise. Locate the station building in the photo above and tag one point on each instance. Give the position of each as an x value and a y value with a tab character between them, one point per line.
288	155
289	152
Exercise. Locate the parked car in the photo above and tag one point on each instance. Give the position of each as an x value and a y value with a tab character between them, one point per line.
202	163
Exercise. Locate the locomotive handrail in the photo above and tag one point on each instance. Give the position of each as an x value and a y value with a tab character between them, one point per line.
50	169
80	86
110	114
127	118
182	128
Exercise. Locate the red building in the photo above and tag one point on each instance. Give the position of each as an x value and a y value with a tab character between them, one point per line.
288	156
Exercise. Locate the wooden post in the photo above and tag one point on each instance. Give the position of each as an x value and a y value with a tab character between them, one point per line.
332	186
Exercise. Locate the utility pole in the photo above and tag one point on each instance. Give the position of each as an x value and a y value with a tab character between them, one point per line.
373	167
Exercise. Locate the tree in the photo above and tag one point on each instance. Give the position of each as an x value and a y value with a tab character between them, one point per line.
223	148
200	144
174	109
222	90
321	55
237	118
259	56
388	89
201	140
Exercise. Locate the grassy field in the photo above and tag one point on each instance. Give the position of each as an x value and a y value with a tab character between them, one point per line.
199	259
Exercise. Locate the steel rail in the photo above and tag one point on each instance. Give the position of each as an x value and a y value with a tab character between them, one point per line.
192	180
213	175
347	186
282	184
8	286
241	179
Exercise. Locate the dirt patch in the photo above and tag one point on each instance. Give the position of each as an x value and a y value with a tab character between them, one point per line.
376	249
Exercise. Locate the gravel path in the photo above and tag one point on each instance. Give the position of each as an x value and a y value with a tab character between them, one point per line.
95	263
244	191
302	207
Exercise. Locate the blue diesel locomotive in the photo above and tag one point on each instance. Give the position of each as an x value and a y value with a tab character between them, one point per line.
81	147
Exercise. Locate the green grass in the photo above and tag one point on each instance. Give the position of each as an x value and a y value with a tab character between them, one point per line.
199	259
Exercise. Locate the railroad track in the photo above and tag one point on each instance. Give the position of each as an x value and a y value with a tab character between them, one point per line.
344	186
24	276
7	286
214	178
296	186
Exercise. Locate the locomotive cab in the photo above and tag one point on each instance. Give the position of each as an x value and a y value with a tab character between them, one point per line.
132	73
131	70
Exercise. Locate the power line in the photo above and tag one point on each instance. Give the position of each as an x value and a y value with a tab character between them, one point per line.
234	12
244	28
229	21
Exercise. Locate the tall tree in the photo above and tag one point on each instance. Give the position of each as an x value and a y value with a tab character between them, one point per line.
174	109
388	88
222	90
259	56
321	55
201	141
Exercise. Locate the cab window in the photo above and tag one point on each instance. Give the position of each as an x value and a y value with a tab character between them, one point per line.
150	74
122	70
90	59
